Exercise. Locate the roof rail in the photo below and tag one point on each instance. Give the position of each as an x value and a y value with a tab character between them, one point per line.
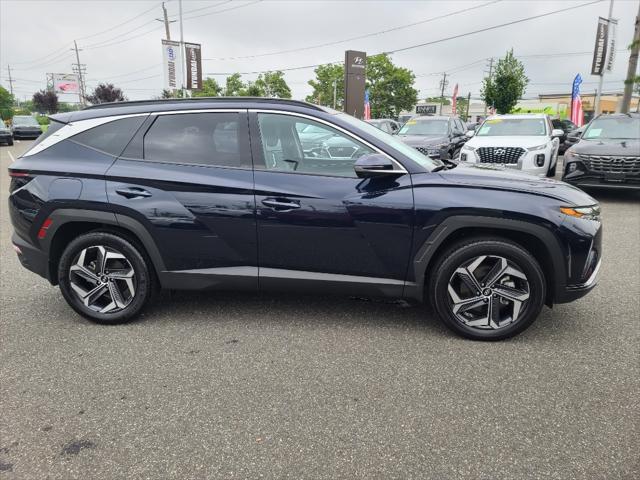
204	100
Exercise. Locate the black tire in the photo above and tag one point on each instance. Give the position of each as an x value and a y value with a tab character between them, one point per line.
144	278
466	251
552	171
10	143
456	154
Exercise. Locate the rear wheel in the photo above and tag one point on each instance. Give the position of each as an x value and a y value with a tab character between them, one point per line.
104	278
487	289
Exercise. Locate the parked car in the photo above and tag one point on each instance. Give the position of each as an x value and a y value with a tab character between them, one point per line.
385	124
566	126
25	126
434	136
129	197
608	154
573	137
522	142
5	134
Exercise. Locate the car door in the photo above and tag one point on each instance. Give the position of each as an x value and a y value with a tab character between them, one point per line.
319	225
188	179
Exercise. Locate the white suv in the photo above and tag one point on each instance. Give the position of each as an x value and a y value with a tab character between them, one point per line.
524	142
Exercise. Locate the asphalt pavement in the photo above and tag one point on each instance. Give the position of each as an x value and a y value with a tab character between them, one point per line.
240	386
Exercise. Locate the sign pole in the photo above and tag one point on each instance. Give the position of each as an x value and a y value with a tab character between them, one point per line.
183	65
601	79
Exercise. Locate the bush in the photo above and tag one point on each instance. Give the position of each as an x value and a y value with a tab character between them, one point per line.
42	120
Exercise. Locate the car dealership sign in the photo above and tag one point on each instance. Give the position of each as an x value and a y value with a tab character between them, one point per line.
65	83
605	47
172	64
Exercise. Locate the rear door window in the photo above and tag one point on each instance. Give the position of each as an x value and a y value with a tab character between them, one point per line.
214	139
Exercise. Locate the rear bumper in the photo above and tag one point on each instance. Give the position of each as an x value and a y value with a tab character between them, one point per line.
31	258
26	133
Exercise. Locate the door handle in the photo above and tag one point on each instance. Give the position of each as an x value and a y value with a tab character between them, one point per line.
281	205
133	192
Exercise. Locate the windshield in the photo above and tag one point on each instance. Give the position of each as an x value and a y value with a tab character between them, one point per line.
393	142
425	127
614	128
507	127
24	120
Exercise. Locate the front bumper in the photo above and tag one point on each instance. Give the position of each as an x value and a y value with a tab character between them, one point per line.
5	137
574	292
26	133
595	180
526	163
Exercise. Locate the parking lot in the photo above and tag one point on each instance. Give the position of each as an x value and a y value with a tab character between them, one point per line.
220	385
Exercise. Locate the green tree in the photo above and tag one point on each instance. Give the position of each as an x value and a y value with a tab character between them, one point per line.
45	101
210	88
105	93
390	87
253	89
234	86
461	107
323	86
6	104
272	84
507	84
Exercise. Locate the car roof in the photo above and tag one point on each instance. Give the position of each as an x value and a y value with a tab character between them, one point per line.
175	104
519	115
423	118
620	115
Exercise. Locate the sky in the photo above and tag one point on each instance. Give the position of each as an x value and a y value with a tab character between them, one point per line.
120	40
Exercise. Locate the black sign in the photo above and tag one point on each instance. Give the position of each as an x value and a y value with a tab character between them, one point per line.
426	109
355	64
600	50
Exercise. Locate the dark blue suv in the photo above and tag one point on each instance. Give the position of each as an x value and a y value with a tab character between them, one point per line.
118	200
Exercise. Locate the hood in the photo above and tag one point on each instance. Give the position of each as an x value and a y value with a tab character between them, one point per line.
629	148
423	140
507	141
500	178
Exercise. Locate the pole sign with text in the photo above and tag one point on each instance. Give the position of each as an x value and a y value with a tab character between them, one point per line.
194	66
355	64
172	64
604	51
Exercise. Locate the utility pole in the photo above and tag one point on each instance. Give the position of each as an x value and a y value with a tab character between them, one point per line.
468	104
597	102
183	67
490	74
79	71
443	85
10	80
166	22
633	66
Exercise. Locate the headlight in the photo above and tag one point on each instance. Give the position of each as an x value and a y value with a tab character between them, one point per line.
569	155
591	212
538	147
468	148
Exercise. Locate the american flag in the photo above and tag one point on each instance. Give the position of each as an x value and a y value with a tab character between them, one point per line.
577	115
367	106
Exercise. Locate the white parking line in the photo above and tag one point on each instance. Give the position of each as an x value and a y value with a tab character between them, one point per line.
11	157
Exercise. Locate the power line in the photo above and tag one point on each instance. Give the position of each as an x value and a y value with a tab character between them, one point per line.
433	42
486	29
119	24
359	37
223	10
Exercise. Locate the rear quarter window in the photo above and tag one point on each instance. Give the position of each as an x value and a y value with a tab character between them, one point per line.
112	137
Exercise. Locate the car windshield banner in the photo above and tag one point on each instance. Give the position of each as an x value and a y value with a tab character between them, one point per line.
194	66
172	64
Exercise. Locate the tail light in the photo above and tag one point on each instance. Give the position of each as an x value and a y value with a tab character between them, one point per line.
43	228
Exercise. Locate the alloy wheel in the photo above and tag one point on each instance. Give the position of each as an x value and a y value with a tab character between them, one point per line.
488	292
103	279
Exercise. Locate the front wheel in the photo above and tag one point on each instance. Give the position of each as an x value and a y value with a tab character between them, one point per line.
105	278
487	289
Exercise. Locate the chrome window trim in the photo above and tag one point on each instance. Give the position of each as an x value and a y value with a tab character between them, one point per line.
399	167
202	110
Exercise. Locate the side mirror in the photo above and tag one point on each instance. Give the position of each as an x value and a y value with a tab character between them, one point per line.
470	133
556	132
374	165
